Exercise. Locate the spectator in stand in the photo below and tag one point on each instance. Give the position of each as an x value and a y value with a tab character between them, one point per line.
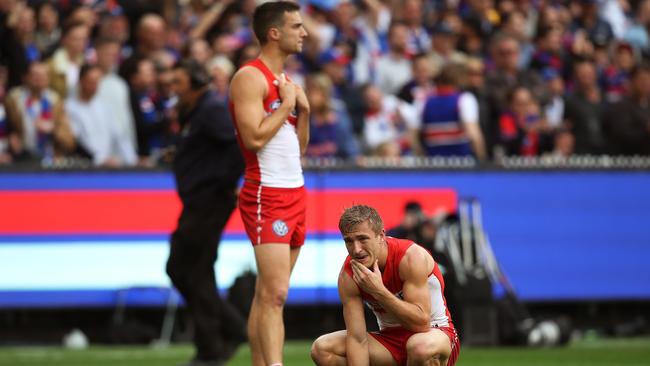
416	91
524	131
584	110
586	18
484	13
627	122
394	67
149	43
330	127
390	125
409	227
116	26
514	23
616	76
221	69
83	14
638	33
474	83
36	118
168	107
25	35
554	109
199	50
18	44
361	30
550	51
91	120
114	92
443	47
64	66
450	119
506	75
48	32
334	64
205	17
418	40
150	124
563	144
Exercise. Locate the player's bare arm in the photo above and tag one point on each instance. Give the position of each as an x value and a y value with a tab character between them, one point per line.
356	342
302	128
247	92
414	310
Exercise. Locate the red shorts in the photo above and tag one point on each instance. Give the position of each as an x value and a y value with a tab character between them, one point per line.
394	340
273	215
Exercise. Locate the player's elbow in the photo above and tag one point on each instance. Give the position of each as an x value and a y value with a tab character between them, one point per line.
253	144
419	324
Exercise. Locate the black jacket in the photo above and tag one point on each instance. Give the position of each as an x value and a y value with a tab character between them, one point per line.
208	161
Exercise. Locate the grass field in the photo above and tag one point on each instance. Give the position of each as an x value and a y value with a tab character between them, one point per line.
618	352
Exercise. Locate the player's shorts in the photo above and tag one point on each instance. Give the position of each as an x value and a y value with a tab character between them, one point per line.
273	215
455	344
394	340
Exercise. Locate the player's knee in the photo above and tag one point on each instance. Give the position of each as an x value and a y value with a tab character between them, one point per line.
421	352
273	295
320	352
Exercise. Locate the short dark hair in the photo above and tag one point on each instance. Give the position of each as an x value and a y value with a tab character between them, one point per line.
86	68
359	214
451	74
269	15
199	76
130	67
104	41
69	26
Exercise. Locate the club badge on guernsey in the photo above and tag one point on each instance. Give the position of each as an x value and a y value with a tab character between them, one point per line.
280	228
276	104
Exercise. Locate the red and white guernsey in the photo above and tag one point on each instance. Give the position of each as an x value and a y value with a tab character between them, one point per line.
277	164
440	316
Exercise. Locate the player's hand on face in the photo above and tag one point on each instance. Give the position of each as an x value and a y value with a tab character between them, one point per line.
369	280
302	104
287	90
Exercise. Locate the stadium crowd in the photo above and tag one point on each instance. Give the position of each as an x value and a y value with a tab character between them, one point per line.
92	79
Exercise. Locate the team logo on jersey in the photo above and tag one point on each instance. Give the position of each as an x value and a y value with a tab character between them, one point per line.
280	228
275	105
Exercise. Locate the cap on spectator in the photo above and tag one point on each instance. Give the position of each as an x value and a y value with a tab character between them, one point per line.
443	28
549	74
333	55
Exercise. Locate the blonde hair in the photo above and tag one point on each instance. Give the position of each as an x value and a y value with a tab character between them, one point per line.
323	83
359	214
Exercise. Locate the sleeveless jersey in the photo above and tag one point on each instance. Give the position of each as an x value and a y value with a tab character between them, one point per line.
277	164
442	132
439	316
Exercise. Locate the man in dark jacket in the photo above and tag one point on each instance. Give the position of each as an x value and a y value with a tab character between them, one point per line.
627	122
207	167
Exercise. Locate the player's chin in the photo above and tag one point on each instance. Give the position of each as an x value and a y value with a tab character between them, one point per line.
364	261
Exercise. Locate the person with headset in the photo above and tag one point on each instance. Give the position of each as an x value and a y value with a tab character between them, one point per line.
207	167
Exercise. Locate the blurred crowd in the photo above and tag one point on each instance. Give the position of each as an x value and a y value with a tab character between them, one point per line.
91	79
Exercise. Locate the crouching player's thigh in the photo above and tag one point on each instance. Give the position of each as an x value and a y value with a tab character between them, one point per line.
329	350
431	348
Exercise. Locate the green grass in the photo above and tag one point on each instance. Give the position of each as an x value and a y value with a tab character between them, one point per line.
612	352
